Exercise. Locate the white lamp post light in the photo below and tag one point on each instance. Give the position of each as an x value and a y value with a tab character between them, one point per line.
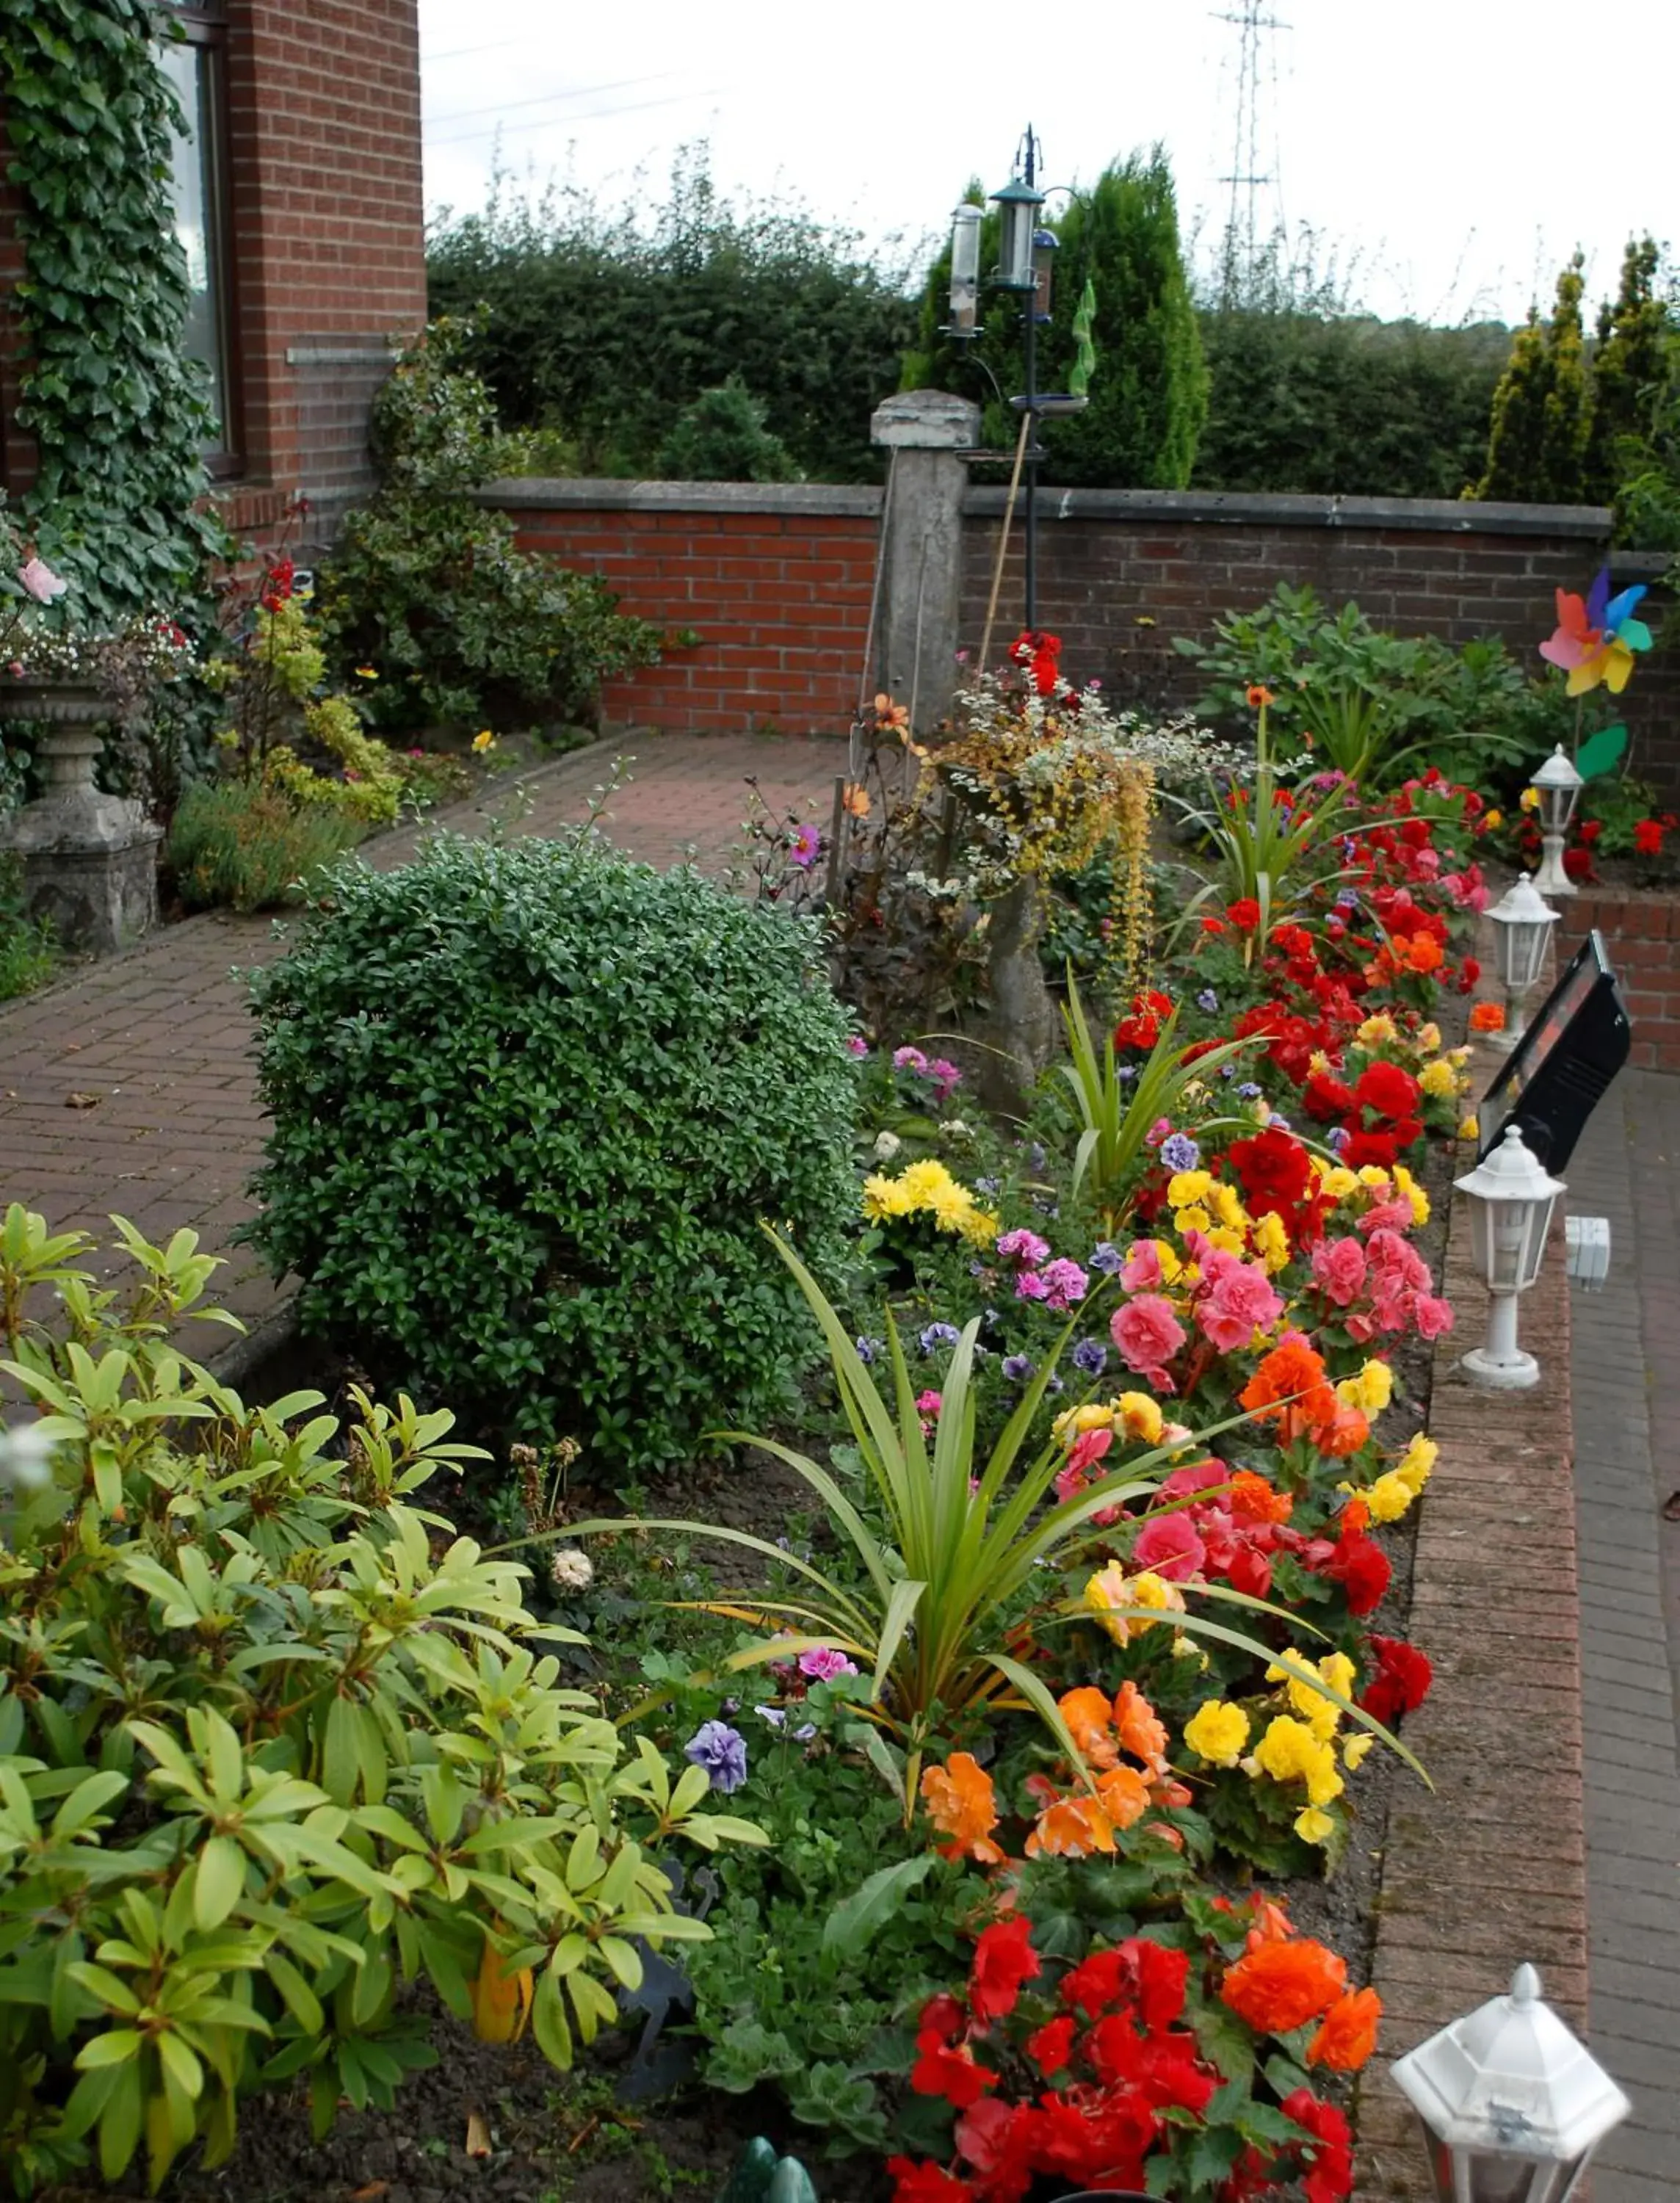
1510	1202
1559	786
1523	921
1512	2104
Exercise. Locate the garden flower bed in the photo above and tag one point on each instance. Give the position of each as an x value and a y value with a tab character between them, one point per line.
1023	1732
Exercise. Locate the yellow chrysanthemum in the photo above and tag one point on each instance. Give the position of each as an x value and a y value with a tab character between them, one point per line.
1074	1422
925	1181
980	1227
885	1197
1416	1464
1218	1733
1389	1498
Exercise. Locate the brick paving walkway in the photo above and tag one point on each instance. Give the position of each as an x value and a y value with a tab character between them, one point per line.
158	1037
1626	1385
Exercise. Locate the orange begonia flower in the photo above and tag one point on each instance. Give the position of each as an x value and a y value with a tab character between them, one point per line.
1086	1713
1073	1828
1272	1924
1141	1732
1347	2034
1250	1494
1345	1433
1487	1017
1289	1389
1124	1795
1355	1516
960	1805
1426	954
1281	1986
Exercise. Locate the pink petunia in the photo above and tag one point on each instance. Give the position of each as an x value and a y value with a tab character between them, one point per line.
1148	1334
1168	1545
1025	1248
1066	1284
1030	1287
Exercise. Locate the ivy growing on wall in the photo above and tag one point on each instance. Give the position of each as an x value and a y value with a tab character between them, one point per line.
118	413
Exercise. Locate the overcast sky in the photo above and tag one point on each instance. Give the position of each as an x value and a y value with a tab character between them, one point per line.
1449	153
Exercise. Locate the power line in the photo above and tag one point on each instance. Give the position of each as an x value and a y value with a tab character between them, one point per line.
1246	178
548	98
460	53
553	122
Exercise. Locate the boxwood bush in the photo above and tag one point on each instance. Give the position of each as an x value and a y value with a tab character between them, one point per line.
531	1101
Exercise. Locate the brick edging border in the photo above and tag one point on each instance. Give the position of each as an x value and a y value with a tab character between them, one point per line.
1489	1868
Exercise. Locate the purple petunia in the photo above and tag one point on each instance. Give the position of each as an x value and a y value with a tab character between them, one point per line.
1337	1139
1208	1001
1248	1091
1025	1248
1091	1355
870	1349
1179	1151
1016	1368
1107	1258
1347	898
722	1751
937	1335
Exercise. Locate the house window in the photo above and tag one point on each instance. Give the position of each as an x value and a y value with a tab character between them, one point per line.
195	68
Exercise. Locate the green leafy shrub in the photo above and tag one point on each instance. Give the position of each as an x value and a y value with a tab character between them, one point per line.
428	587
530	1102
272	1745
238	845
26	945
723	437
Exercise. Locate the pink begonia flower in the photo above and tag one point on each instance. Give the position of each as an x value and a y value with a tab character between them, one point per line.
1432	1315
1025	1248
1066	1284
42	583
1195	1476
1142	1271
1148	1334
1426	864
1168	1545
1339	1270
1029	1286
1387	1216
1157	1132
1088	1448
1242	1302
1397	1261
822	1664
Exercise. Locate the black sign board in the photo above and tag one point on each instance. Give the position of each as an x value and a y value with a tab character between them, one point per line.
1559	1070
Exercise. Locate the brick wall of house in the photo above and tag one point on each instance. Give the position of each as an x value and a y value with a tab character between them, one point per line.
775	581
325	247
1641	934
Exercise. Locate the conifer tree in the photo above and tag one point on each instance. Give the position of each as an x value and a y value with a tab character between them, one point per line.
1629	371
1542	409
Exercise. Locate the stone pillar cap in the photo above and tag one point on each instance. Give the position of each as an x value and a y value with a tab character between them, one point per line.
925	420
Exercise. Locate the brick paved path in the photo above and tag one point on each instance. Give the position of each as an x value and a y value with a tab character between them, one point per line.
1626	1383
158	1037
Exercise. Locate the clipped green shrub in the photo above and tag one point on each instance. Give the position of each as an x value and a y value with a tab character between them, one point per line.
274	1743
531	1102
240	845
723	437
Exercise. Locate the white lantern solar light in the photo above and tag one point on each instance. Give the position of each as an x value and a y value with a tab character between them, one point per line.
964	270
1512	2104
1559	787
1018	205
1510	1203
1523	920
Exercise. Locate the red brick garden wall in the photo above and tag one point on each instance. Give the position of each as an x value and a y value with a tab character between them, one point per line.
775	582
1641	932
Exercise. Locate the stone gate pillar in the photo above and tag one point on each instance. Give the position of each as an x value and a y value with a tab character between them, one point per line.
921	607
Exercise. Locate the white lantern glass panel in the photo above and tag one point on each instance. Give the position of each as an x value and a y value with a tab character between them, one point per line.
1560	788
1523	951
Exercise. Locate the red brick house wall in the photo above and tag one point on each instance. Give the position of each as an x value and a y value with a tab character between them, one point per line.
325	245
1642	934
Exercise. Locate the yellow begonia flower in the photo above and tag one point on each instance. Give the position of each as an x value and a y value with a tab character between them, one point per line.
1375	1177
1494	820
1193	1219
1416	1464
1371	1392
484	740
1313	1827
1319	1064
1290	1752
1112	1588
1226	1204
1320	1714
1093	1416
1226	1240
1439	1078
1409	1189
1338	1183
1141	1415
1528	800
1186	1186
1470	1129
1354	1752
1170	1261
1271	1242
1429	1038
1375	1030
1218	1733
1389	1497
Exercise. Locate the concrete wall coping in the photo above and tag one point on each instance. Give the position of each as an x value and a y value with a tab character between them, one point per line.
771	500
1432	516
1429	515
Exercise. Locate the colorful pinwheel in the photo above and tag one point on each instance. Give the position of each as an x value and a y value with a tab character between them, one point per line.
1597	637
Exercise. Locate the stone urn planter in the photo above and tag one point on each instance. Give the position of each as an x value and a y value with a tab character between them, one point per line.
90	860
